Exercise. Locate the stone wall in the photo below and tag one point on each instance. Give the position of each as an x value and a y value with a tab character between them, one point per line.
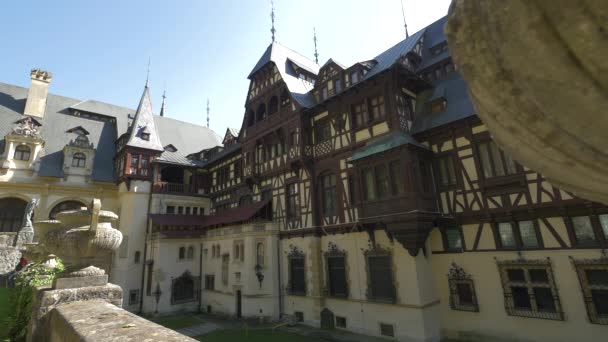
9	255
92	321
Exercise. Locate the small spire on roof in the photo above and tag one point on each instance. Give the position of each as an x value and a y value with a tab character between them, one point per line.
315	40
148	73
272	30
162	106
407	35
207	113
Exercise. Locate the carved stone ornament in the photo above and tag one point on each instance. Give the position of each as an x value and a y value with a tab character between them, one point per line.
458	273
82	238
295	252
27	127
536	73
334	251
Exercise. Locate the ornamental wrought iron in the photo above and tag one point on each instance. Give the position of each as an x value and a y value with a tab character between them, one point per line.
593	278
296	284
529	288
336	279
462	290
380	272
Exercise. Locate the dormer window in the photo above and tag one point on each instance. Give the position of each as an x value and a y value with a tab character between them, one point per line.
338	85
285	99
145	136
22	152
354	77
439	105
324	93
79	160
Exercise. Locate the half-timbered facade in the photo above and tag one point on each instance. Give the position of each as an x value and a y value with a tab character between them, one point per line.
369	198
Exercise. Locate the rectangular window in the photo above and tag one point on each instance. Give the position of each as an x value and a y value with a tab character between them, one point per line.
180	210
527	232
377	108
529	289
453	238
322	131
381	287
337	276
238	168
324	93
292	201
225	264
330	197
187	210
354	77
425	175
351	190
396	177
506	234
360	115
593	276
604	223
340	322
381	181
387	330
583	231
297	276
210	282
369	185
133	297
494	162
134	163
338	85
143	167
170	209
447	171
462	290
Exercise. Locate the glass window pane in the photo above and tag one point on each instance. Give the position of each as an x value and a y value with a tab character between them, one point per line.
528	234
521	299
454	238
382	181
451	170
510	164
486	165
539	276
583	230
465	295
600	300
368	185
396	175
498	166
505	230
597	277
544	299
604	223
516	274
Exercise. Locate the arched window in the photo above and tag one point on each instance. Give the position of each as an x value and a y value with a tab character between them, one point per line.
273	106
182	253
285	99
183	289
65	206
79	160
261	113
137	257
260	253
329	194
22	152
11	214
190	252
250	118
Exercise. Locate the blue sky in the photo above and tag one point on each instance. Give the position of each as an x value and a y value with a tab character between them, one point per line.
198	49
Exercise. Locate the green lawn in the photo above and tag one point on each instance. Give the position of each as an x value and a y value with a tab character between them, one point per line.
178	322
4	311
255	336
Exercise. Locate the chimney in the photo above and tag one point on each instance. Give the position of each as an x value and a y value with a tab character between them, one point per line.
39	89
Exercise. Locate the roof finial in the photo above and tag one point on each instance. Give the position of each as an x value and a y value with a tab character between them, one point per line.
148	73
315	40
272	30
207	113
162	106
407	35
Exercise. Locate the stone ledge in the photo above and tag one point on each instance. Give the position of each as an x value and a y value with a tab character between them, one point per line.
93	321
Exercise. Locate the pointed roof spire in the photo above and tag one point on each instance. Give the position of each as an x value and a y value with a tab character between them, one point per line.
148	73
272	30
207	113
314	30
162	106
143	133
407	35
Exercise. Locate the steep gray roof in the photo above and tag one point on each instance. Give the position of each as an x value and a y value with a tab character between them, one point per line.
282	57
59	118
143	123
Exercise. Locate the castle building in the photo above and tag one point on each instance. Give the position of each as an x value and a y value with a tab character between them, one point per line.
369	198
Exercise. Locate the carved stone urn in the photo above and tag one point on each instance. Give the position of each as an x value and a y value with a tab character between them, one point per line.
82	238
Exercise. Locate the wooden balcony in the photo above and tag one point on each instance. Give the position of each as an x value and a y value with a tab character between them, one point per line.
176	189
